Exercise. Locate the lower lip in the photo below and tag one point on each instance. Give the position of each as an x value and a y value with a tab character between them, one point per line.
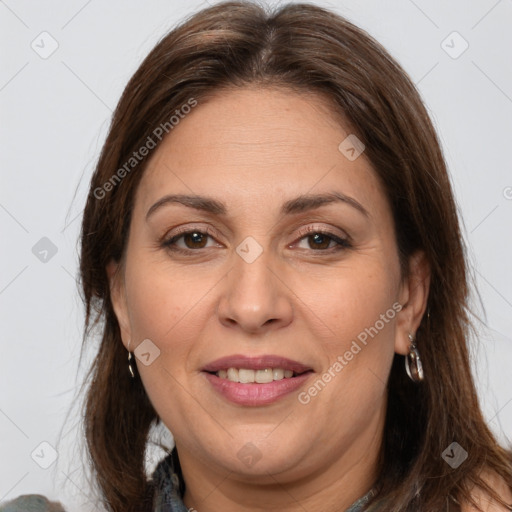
256	394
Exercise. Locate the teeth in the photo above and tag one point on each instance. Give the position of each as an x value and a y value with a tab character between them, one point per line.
263	376
247	376
278	374
232	375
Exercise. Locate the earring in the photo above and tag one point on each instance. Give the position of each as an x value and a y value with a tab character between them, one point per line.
413	364
130	368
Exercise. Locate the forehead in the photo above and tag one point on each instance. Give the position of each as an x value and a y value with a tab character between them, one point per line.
251	142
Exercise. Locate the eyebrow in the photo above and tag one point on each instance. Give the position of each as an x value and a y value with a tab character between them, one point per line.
297	205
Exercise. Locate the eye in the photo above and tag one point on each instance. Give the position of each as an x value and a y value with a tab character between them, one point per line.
311	238
190	240
322	240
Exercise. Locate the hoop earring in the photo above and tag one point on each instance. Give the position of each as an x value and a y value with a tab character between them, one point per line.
413	364
130	357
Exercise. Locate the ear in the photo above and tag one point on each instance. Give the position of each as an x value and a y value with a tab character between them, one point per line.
413	297
118	299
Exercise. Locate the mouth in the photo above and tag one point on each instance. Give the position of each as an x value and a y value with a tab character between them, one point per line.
253	381
248	376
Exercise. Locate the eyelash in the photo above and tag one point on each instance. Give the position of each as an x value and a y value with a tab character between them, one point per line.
343	243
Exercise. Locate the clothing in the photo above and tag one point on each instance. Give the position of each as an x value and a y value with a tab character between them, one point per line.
166	499
31	503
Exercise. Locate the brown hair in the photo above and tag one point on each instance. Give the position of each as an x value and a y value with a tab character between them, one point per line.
305	48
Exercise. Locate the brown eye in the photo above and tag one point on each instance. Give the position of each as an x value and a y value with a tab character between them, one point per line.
322	241
319	241
190	241
195	240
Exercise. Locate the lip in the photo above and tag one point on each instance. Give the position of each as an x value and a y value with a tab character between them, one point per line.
255	363
253	394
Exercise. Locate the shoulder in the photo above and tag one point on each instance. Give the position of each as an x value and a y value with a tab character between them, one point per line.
31	503
485	502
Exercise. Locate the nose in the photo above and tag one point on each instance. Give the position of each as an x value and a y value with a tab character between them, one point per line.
255	297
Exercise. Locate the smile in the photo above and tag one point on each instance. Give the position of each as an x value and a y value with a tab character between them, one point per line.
247	376
256	381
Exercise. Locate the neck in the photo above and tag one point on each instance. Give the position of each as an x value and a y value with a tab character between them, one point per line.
333	487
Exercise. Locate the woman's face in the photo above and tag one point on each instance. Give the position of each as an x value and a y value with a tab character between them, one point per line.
275	249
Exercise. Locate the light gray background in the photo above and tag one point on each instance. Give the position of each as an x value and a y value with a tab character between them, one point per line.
54	117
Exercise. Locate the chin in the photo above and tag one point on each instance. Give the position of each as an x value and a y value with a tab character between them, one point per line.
250	459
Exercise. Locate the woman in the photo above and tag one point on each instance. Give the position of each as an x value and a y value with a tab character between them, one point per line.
272	248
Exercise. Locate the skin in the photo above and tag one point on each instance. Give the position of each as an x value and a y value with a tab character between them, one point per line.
254	149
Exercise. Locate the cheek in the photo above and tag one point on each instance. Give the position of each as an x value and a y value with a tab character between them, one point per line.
353	300
163	305
359	309
165	309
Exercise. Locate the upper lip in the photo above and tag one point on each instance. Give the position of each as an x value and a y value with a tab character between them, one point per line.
255	363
